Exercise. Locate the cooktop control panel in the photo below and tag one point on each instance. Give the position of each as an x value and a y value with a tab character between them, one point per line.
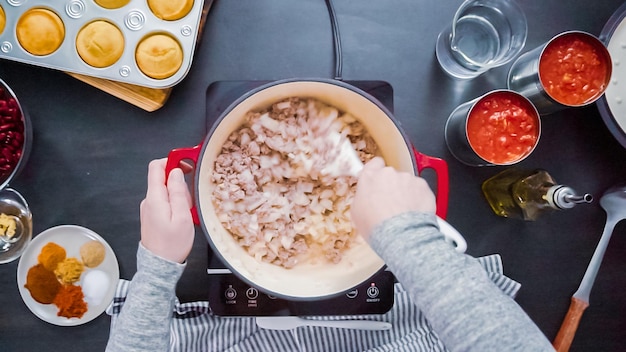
231	296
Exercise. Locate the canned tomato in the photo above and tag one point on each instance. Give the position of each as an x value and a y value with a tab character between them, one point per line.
572	69
501	127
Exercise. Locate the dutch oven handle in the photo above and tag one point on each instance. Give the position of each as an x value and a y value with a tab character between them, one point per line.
423	162
441	169
174	158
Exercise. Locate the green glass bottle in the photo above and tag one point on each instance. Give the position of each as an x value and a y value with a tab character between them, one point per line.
527	194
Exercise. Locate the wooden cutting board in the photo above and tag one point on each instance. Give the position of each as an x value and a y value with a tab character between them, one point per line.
149	99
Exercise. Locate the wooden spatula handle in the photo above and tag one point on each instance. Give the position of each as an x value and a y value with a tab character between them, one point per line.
566	333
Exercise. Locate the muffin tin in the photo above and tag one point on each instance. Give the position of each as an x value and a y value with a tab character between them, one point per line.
135	20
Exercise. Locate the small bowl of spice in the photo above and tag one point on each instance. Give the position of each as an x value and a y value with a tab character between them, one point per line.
15	145
16	223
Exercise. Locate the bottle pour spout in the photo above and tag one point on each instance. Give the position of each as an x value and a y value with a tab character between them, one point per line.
563	197
585	198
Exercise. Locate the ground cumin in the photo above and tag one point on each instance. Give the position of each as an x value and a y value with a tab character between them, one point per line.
51	255
69	270
42	284
70	302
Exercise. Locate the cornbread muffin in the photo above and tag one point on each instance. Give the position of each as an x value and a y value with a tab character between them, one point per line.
159	56
112	4
40	31
3	20
100	43
92	253
170	10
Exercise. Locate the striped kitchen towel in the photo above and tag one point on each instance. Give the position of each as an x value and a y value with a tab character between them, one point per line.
195	328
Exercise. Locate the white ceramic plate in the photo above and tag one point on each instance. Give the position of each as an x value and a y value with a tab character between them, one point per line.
612	105
70	237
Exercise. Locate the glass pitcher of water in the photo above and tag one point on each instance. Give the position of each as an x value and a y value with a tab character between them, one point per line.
483	34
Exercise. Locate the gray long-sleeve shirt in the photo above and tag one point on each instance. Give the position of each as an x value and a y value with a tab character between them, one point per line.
465	309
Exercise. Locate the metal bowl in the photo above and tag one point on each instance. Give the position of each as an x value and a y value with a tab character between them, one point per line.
16	135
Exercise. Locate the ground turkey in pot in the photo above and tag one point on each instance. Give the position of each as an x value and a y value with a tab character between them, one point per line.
270	192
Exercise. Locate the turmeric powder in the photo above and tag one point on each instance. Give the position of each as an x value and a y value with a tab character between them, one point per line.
51	255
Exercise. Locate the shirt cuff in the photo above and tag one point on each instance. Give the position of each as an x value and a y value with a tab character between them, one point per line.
165	271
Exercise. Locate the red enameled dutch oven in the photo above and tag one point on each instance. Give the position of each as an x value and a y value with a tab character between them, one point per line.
306	281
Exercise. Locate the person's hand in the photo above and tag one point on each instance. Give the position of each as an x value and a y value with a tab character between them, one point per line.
382	192
167	229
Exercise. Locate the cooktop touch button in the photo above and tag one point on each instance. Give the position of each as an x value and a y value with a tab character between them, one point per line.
353	293
230	293
372	291
252	293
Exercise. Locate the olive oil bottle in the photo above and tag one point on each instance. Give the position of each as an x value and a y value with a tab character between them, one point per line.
527	194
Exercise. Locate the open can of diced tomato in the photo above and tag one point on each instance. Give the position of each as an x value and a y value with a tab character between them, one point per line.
572	69
501	127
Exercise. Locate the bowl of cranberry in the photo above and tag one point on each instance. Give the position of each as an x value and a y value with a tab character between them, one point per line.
15	135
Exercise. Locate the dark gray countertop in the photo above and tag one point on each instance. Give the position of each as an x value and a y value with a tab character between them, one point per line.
91	150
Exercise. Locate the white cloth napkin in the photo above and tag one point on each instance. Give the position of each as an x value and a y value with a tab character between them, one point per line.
195	328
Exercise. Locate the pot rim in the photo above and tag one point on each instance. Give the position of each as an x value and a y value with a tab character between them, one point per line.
211	133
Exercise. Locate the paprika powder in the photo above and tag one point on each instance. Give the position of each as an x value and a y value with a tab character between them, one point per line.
70	302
